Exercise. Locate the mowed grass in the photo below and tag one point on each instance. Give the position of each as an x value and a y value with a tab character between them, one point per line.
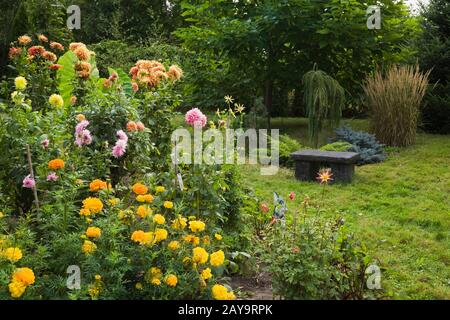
399	208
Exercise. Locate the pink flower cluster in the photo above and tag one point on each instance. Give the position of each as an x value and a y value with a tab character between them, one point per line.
82	135
195	117
121	144
28	182
52	177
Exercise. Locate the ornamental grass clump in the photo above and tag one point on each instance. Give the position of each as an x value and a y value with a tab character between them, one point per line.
394	99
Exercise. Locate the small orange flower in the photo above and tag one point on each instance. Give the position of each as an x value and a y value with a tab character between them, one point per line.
97	185
139	188
324	176
56	164
131	126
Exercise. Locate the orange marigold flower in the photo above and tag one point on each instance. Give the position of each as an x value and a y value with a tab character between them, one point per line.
93	232
24	276
56	164
97	185
94	205
139	188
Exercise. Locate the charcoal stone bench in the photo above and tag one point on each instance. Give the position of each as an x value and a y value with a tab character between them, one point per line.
309	162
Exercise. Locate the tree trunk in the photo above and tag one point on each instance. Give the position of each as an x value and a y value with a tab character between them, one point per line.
268	100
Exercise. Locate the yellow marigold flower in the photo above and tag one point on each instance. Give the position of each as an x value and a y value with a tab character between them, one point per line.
187	260
148	198
196	226
145	198
138	286
94	205
171	280
155	272
199	255
98	277
1	214
159	219
20	83
179	223
160	189
143	211
56	164
217	258
56	100
84	212
93	232
142	237
24	276
168	204
218	236
97	185
12	254
192	239
155	281
206	274
94	291
160	234
88	247
114	201
16	289
220	292
173	245
24	40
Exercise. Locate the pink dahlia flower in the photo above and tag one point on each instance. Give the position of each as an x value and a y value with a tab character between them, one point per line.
195	117
122	135
28	182
119	149
52	177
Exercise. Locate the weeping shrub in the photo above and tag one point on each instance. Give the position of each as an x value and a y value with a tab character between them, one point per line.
394	100
324	99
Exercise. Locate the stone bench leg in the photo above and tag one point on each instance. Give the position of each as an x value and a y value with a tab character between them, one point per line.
307	171
342	172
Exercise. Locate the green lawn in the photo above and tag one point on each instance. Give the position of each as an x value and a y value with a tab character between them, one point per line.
400	208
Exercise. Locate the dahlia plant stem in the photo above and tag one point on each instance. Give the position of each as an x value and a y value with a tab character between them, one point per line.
30	164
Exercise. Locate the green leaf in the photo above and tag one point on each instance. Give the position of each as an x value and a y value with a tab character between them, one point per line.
124	80
66	75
